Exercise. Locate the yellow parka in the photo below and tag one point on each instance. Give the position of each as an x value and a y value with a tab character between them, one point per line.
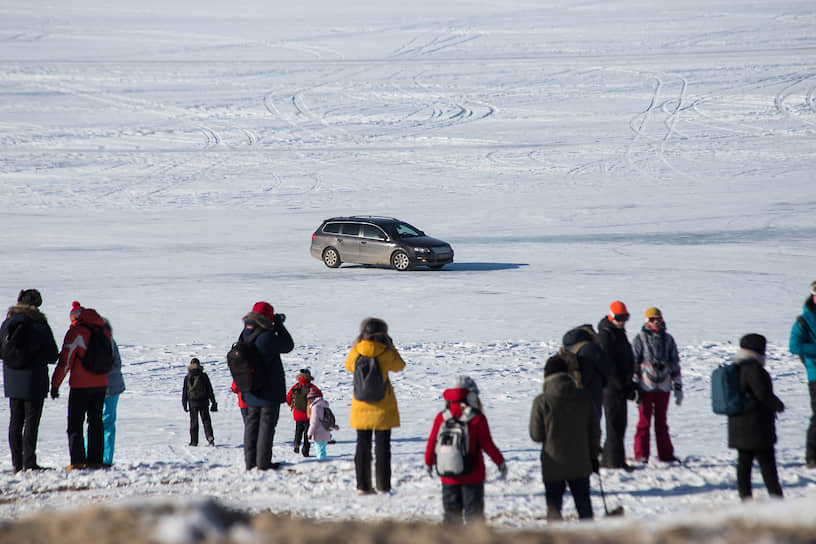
383	414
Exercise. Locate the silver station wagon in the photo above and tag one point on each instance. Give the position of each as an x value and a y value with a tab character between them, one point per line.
377	240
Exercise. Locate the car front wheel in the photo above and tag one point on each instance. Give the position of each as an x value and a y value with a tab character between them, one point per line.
331	258
400	261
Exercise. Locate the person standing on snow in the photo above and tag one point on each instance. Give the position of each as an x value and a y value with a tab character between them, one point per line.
563	420
612	337
657	372
596	369
263	406
26	356
803	343
116	386
463	495
376	417
297	399
753	431
87	395
198	397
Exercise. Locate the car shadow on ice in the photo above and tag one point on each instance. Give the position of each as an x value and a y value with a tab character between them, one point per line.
481	267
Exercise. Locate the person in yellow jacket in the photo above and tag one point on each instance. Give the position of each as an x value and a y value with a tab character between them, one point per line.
375	417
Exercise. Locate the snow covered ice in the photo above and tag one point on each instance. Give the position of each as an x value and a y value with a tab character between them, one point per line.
167	162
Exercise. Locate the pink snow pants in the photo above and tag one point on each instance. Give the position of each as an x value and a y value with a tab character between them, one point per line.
657	403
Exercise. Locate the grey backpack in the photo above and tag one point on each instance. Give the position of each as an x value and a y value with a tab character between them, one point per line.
369	385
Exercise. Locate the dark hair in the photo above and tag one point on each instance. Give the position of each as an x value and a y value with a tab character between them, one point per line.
554	365
29	297
375	330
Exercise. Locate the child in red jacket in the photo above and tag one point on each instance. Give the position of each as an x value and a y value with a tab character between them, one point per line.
463	495
297	400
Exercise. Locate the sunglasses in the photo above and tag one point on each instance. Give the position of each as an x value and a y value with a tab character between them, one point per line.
621	317
655	319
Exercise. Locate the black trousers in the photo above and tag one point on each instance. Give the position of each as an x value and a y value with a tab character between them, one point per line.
204	414
259	433
554	491
767	465
86	402
382	463
810	444
614	407
24	425
302	433
462	503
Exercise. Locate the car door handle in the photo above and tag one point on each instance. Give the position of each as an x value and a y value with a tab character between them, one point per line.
363	241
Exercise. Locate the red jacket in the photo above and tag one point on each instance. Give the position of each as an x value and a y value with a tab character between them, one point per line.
241	403
479	437
73	350
300	415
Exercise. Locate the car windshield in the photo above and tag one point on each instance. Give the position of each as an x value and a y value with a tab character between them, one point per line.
404	230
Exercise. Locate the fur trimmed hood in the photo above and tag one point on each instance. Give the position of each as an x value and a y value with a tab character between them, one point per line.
260	319
31	311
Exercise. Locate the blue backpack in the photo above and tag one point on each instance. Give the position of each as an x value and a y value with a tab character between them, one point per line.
726	397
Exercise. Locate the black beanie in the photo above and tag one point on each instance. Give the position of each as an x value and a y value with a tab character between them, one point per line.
554	365
754	342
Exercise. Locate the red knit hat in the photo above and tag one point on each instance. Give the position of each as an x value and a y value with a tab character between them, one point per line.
264	308
76	309
617	308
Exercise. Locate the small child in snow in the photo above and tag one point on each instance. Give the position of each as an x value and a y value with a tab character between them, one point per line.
297	401
318	431
463	495
196	397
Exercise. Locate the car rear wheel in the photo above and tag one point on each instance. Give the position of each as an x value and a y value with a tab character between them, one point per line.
400	261
331	258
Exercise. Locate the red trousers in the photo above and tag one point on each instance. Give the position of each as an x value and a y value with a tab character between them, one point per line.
653	403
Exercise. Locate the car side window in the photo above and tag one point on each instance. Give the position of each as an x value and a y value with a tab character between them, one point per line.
373	233
332	228
350	229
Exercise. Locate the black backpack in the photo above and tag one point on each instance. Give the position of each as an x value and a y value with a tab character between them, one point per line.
329	421
246	365
368	381
197	387
16	345
99	353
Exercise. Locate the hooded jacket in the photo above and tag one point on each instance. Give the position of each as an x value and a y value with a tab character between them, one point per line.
597	369
564	419
384	413
273	341
754	429
302	387
73	351
803	339
317	432
30	383
615	343
479	439
652	348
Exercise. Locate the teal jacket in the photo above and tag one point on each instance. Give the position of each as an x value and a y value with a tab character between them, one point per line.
803	339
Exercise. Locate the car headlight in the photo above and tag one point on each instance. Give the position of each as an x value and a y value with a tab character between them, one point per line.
421	250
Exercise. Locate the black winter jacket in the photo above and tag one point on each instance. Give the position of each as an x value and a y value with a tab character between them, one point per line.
273	341
597	368
754	429
30	383
186	401
615	343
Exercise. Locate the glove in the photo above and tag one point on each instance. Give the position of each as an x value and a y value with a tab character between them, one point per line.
637	394
214	407
678	393
280	318
502	471
185	407
54	392
429	470
629	392
596	465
